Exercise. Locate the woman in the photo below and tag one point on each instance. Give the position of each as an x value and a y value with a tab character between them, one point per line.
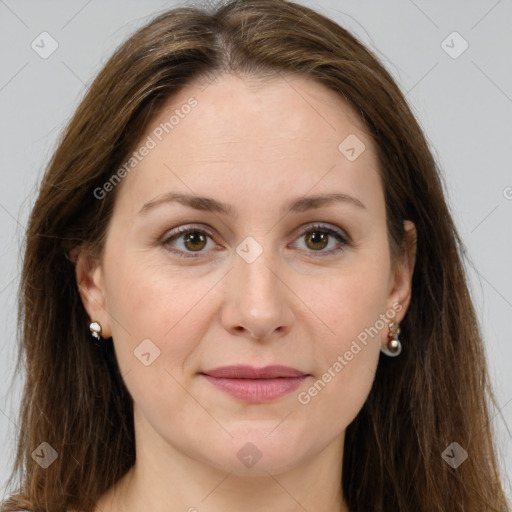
243	289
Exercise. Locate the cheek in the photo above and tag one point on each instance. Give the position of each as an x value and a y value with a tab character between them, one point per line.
347	363
149	313
152	299
339	393
350	304
355	318
154	331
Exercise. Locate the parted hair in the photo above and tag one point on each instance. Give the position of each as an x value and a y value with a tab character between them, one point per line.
438	391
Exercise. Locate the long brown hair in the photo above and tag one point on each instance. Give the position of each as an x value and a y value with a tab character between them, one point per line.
437	392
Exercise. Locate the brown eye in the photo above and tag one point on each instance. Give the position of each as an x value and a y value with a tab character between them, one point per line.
194	240
187	240
317	238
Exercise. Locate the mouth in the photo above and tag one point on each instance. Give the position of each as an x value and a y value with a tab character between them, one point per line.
256	385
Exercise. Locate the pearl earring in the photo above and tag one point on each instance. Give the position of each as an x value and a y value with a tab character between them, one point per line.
95	328
394	347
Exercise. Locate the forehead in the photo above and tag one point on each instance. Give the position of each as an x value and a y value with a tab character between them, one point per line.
286	136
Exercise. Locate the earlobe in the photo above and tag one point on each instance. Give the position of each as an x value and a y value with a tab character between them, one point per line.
90	283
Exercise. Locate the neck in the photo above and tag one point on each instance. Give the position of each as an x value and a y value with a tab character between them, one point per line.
165	478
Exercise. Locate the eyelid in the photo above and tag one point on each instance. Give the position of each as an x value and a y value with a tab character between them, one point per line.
325	227
186	228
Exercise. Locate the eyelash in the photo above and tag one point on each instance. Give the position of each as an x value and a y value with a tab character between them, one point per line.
175	234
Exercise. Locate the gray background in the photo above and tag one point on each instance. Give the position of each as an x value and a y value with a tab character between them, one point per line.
464	105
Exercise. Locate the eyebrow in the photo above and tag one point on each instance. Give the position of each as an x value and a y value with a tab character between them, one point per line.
209	204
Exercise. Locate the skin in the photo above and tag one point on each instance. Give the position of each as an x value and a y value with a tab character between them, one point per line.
255	147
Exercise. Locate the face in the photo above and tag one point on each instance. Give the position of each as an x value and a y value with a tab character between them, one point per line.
186	286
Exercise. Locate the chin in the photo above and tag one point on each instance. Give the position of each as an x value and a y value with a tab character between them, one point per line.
257	455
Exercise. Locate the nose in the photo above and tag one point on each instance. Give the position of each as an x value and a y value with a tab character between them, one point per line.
257	301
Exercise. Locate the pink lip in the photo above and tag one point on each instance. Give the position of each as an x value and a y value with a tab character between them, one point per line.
256	384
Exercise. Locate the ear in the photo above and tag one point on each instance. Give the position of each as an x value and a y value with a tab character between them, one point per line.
401	279
90	282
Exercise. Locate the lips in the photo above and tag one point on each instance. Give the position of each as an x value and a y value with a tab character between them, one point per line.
249	372
255	385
